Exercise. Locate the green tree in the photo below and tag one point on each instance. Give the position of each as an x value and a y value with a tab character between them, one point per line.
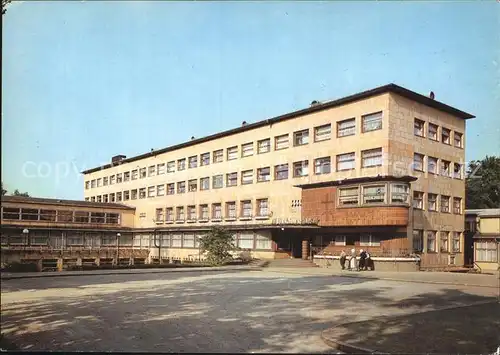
483	183
4	192
218	244
4	5
17	193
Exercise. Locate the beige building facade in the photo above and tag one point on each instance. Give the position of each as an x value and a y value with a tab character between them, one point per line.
249	179
482	230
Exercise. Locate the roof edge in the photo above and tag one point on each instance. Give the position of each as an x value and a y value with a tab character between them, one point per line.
381	178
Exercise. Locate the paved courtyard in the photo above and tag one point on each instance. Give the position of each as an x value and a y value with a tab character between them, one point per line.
232	311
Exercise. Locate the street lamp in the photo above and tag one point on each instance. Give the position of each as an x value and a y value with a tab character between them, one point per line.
26	233
118	235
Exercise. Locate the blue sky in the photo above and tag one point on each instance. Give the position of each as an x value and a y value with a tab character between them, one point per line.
83	81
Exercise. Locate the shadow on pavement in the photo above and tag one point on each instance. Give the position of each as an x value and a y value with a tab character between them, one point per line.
225	312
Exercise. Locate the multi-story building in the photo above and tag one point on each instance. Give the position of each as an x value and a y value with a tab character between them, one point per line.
482	234
381	170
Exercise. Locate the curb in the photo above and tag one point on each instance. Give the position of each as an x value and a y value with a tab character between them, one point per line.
132	272
384	278
349	348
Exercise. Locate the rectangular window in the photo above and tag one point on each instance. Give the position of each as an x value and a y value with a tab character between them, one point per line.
152	170
418	200
169	214
262	242
262	207
48	215
133	194
301	168
443	244
204	183
193	162
105	181
445	204
322	166
161	168
432	202
486	251
372	157
99	182
230	210
126	176
176	240
281	172
142	193
188	240
193	185
246	209
348	196
99	199
105	198
245	240
418	162
118	197
231	179
457	138
216	211
142	173
65	216
112	218
418	240
181	164
247	177
374	194
217	181
119	178
432	131
281	142
87	185
457	205
247	149
263	174
456	242
126	195
368	240
399	193
300	137
111	197
218	156
445	135
112	179
419	128
346	128
432	165
372	122
29	214
92	199
204	212
160	190
346	161
180	214
431	241
445	168
457	171
232	153
151	191
81	217
97	217
340	240
170	189
92	183
322	133
264	146
159	215
191	210
181	187
171	167
205	159
135	174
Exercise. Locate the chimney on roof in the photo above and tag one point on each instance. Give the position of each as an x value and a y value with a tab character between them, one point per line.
315	103
117	158
431	95
244	123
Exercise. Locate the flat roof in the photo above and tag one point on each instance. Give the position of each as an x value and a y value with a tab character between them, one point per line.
378	178
425	100
55	201
484	212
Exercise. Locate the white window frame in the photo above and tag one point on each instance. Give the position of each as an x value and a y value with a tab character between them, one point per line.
372	122
205	183
418	240
218	156
301	137
445	136
247	150
418	202
261	177
346	161
181	187
247	177
431	236
418	130
232	153
460	140
281	142
303	165
279	171
346	127
371	158
232	179
348	196
431	134
262	207
171	167
429	202
376	196
323	132
193	162
160	190
205	159
405	194
369	240
231	210
217	178
322	166
340	240
432	162
264	146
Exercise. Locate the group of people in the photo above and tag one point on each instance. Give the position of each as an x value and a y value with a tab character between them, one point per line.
352	264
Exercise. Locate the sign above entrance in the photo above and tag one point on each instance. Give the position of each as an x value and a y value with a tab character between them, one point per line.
294	221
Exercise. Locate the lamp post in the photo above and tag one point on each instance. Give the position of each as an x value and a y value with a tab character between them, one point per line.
118	235
26	234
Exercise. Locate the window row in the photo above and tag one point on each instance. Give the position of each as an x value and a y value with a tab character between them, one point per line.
53	238
486	251
435	203
365	240
377	193
31	214
229	211
437	166
243	240
438	133
445	241
370	122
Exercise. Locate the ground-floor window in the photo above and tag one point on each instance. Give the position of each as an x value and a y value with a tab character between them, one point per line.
486	251
369	240
456	242
263	242
245	241
444	241
431	241
340	239
418	240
